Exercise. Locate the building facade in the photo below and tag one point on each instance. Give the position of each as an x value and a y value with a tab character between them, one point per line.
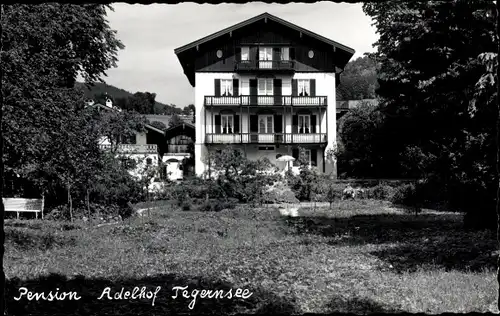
152	147
268	87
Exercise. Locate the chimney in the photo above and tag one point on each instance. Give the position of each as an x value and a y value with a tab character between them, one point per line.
109	103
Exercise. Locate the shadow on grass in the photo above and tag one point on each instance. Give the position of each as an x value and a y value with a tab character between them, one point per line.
358	305
417	241
90	289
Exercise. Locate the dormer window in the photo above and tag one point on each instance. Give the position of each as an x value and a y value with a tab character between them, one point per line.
226	87
304	88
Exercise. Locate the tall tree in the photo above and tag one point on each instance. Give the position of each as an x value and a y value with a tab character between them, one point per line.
431	57
175	120
44	48
359	80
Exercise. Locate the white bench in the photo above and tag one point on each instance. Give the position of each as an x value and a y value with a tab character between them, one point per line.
24	205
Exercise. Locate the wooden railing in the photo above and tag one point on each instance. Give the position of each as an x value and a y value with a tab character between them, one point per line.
133	148
266	100
263	138
252	65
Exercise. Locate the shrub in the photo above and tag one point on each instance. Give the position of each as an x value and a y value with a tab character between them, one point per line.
279	192
405	195
380	192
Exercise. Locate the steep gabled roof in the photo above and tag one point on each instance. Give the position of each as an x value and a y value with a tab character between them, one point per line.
185	53
258	18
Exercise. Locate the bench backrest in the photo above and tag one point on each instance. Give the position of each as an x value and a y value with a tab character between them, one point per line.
22	204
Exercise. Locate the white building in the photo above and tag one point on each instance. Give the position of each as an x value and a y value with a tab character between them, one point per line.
267	86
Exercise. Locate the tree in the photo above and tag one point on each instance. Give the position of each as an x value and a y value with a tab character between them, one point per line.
175	120
435	106
359	80
190	110
115	126
45	136
158	125
359	140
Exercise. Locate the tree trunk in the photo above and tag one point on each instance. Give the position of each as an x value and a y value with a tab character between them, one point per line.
88	207
498	145
70	200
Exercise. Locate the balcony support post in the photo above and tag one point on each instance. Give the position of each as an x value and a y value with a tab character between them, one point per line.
241	122
326	113
319	122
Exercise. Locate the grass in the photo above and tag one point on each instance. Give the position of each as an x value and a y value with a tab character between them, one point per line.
359	257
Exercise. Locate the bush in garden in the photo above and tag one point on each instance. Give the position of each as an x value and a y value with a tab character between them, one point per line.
235	176
381	192
278	193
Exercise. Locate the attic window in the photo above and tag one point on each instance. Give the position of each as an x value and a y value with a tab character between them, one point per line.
311	54
219	54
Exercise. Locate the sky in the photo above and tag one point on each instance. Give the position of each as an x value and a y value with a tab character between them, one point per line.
150	34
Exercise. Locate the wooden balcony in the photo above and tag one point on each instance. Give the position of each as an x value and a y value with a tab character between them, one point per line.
260	138
287	66
133	148
266	100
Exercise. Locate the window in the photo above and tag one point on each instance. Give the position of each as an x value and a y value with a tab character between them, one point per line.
265	53
226	87
227	121
265	124
266	86
285	53
304	124
304	88
245	53
149	161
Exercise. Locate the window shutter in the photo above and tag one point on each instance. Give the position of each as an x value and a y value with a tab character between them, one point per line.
236	124
313	123
217	124
217	87
312	83
295	124
314	157
237	54
292	53
295	154
254	53
236	87
278	123
295	88
276	53
254	124
253	91
277	92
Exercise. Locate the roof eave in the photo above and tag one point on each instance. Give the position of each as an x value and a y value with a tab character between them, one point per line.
205	39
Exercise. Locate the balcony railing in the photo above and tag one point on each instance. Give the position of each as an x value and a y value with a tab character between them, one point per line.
253	65
265	100
261	138
133	148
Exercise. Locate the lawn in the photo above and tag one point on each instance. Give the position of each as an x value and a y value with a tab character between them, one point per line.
360	257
